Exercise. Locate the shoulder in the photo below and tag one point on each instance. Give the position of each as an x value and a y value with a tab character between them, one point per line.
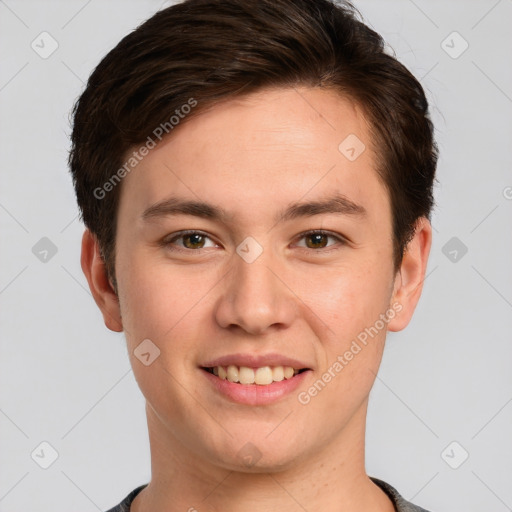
124	506
401	505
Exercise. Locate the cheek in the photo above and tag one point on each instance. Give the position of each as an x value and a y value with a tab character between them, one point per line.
157	300
168	308
348	299
351	350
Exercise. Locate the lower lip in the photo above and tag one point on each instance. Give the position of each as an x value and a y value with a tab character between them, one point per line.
255	394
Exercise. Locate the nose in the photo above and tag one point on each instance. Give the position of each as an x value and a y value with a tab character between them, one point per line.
255	297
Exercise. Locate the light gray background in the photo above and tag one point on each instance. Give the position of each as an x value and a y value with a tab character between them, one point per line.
65	379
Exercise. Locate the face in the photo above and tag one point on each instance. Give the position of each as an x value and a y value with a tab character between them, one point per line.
286	263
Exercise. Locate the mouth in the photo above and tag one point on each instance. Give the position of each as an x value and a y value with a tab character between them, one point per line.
260	376
255	379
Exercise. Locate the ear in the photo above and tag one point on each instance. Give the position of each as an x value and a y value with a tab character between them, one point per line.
102	290
409	279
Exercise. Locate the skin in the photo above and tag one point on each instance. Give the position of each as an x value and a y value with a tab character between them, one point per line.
254	156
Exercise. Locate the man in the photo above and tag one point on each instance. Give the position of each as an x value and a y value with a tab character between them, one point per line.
256	180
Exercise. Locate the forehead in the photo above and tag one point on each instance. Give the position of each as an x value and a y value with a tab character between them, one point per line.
295	123
262	149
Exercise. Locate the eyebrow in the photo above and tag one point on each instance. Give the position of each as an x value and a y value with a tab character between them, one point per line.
337	204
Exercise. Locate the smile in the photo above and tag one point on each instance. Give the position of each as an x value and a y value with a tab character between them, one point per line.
262	376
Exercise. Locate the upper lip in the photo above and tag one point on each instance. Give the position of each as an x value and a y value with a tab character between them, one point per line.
256	361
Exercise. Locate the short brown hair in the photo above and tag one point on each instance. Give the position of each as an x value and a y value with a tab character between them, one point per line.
213	50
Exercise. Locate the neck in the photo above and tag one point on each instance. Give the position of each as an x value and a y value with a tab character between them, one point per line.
331	480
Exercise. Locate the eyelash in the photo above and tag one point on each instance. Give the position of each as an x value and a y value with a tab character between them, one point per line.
166	242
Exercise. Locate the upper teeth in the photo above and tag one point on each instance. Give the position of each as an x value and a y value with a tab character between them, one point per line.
245	375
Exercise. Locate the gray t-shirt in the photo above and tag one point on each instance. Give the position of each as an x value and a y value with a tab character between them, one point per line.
401	505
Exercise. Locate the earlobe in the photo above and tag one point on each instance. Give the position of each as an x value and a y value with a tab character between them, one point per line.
102	290
409	279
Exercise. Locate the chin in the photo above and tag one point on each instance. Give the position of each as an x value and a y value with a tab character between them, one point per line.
258	456
264	465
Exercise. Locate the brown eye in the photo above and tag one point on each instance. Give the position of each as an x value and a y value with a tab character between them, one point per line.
318	240
193	241
188	241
